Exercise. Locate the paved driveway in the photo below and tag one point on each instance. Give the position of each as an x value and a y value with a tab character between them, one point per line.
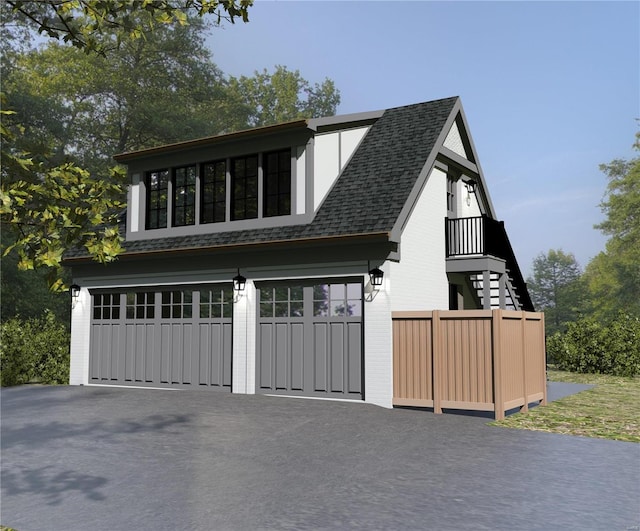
90	458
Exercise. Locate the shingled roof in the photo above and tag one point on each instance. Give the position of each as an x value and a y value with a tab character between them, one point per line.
367	198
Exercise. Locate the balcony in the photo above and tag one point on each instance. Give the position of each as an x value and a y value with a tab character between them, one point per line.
479	247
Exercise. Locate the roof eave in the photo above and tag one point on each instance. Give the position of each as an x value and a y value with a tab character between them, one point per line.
319	241
210	140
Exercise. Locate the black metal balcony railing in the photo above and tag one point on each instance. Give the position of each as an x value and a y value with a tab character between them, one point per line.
484	236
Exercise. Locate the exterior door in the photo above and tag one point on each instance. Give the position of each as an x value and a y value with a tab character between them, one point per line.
310	338
170	337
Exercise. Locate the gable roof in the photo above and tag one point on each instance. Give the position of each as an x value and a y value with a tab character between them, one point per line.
369	198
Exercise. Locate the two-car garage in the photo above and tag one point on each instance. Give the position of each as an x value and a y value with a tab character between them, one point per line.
309	337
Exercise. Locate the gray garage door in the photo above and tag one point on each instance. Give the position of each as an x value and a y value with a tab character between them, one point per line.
310	339
169	337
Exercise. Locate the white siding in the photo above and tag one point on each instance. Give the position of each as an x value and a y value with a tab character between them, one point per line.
349	141
301	175
454	141
467	210
80	339
134	203
326	158
332	151
378	343
244	342
420	279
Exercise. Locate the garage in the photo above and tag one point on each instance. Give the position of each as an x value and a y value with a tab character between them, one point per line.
178	336
310	338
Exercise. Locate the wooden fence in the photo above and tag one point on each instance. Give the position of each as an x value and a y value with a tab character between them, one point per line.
487	360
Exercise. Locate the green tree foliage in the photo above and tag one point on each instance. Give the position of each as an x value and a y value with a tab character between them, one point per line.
589	346
555	288
25	294
86	23
283	95
613	276
50	208
49	200
34	350
160	89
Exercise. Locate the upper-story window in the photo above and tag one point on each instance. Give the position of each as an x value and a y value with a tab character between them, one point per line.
277	183
244	187
157	195
451	197
213	200
184	196
239	188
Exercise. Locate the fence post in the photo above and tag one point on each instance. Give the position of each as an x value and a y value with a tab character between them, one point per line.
544	362
436	361
523	344
496	329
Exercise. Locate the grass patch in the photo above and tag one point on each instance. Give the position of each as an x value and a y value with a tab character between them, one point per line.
608	411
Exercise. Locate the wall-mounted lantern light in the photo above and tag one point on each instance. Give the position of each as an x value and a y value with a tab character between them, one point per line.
376	275
239	282
471	189
74	291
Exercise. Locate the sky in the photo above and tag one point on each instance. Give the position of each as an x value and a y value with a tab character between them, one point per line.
550	90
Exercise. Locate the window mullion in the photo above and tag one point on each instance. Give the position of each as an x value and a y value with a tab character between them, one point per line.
260	185
229	184
170	188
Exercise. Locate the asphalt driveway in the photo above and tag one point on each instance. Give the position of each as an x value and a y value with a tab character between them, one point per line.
91	458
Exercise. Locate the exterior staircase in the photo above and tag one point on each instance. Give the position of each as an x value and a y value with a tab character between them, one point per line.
482	236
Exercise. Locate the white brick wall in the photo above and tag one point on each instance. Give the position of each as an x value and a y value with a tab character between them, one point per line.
80	339
420	279
378	342
244	341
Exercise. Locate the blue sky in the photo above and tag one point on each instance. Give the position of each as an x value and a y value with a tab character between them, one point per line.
550	90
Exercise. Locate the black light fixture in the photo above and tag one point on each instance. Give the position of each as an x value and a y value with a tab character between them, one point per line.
74	290
376	275
471	186
239	282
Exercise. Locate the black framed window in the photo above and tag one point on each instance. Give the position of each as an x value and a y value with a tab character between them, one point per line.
277	183
177	304
184	196
337	300
140	305
213	198
216	303
244	187
106	306
157	184
282	301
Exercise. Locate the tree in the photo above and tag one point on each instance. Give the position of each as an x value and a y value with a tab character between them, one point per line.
555	288
160	89
613	276
48	201
86	23
283	95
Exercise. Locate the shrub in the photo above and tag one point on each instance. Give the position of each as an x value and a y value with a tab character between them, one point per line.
591	347
34	350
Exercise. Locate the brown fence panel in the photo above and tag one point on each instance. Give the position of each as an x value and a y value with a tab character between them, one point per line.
512	362
413	361
465	352
535	358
